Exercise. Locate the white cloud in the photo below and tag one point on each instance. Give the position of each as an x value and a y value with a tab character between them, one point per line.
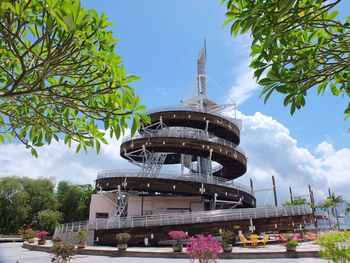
325	149
271	150
245	85
57	160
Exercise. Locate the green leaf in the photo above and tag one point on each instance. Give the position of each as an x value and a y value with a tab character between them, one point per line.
98	146
33	152
133	128
265	82
332	15
78	148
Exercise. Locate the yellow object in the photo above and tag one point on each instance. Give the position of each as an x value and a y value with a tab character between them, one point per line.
265	239
254	239
245	241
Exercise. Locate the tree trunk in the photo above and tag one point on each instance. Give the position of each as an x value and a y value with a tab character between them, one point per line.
336	215
329	219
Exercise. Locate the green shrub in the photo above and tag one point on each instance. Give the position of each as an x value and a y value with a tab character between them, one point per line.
227	236
291	244
80	236
122	238
27	233
335	246
62	252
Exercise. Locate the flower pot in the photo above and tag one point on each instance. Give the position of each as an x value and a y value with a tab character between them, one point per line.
122	247
31	240
227	248
177	247
291	249
41	242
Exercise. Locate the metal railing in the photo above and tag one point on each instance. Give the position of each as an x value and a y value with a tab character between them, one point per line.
235	121
186	218
185	133
193	177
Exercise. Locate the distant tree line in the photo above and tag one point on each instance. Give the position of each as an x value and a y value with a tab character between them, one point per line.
38	204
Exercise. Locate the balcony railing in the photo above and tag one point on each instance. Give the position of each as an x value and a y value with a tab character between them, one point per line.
175	176
186	218
185	133
235	121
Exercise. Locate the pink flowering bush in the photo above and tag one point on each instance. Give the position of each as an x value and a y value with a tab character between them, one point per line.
177	235
204	248
41	234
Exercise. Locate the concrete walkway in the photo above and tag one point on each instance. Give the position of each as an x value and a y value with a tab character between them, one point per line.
13	252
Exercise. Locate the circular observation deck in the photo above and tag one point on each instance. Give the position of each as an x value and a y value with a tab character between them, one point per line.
175	143
171	183
177	132
220	125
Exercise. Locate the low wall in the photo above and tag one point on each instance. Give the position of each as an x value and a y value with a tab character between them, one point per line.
150	254
70	237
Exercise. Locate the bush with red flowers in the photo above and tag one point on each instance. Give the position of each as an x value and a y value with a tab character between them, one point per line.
177	235
41	234
204	248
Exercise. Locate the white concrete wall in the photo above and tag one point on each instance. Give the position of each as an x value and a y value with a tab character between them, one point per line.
102	204
163	204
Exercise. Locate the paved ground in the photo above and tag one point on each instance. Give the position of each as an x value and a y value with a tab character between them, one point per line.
13	252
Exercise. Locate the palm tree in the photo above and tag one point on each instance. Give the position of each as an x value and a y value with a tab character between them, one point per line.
326	204
332	202
347	209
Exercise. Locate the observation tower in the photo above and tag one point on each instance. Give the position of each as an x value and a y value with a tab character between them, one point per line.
201	144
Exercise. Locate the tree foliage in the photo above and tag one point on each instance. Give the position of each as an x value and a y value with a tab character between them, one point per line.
296	201
59	74
48	219
335	246
13	207
74	201
26	202
41	196
296	45
332	202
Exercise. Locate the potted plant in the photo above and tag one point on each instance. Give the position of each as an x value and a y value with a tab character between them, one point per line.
291	245
80	238
122	240
204	248
29	235
226	239
41	235
179	236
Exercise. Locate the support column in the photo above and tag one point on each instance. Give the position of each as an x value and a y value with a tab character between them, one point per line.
274	190
291	195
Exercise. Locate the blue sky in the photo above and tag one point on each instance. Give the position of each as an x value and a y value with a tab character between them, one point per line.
160	41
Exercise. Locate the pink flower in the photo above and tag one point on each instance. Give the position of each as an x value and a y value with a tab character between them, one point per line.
41	234
204	248
177	235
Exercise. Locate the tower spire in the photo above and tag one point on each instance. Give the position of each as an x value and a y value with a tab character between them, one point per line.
201	74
